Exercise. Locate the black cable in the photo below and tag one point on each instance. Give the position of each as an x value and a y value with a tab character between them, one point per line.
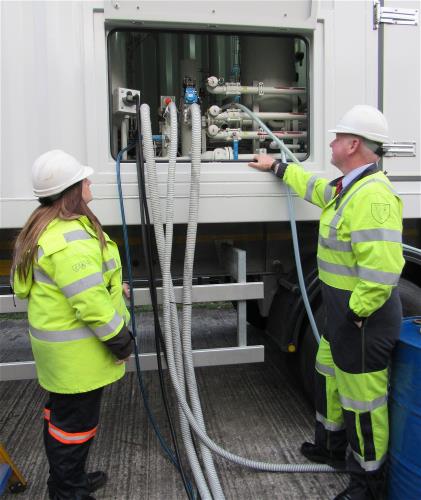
147	249
149	413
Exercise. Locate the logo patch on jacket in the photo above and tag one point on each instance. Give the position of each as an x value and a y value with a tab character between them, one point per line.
380	212
80	266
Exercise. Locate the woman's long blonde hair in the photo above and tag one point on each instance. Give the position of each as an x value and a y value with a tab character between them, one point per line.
68	206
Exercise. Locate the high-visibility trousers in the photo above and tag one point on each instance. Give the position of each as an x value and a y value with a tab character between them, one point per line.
352	380
70	424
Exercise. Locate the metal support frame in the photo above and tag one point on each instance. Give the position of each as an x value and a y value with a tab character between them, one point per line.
236	261
241	291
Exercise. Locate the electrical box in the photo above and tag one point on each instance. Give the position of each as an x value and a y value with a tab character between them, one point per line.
124	102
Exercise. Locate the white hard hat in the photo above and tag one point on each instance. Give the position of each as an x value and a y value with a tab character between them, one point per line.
365	121
54	171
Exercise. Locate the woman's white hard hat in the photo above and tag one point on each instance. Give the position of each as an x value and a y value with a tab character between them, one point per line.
55	171
365	121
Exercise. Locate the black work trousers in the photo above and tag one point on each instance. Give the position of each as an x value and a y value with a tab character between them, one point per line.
69	427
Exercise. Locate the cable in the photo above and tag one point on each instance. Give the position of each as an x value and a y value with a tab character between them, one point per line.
175	460
293	223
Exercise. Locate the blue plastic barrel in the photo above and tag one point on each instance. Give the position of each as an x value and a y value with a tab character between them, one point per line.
405	415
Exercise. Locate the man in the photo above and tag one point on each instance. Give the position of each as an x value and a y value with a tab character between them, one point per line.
360	260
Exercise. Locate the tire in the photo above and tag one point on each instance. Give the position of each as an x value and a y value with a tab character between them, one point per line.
307	354
253	315
410	295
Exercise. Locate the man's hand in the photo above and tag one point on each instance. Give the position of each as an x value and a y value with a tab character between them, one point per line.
262	162
126	290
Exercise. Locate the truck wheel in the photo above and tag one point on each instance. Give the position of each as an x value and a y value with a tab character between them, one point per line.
307	354
410	297
253	315
411	306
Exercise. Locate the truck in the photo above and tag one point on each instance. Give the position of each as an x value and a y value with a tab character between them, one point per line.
70	72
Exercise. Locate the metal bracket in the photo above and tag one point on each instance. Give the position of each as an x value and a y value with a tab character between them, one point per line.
395	149
241	291
392	15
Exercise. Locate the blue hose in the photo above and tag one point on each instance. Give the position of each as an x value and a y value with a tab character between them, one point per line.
235	147
284	151
151	418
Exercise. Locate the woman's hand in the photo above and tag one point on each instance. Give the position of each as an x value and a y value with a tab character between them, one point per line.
126	290
121	361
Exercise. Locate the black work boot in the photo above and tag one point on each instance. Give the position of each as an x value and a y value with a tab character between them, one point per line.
96	480
357	489
366	486
316	453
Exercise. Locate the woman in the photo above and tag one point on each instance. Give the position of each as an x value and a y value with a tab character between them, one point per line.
70	271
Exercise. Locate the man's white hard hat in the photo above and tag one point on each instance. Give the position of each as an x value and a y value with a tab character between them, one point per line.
365	121
54	171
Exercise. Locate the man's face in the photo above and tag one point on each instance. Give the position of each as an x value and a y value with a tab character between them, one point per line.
341	148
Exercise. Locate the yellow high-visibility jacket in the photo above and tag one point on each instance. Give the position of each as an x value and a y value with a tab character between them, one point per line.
360	235
75	306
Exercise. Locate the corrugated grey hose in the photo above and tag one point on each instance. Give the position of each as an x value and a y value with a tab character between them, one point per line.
207	458
196	124
253	464
164	246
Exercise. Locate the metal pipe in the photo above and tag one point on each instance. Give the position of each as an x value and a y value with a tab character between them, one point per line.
261	90
263	115
230	135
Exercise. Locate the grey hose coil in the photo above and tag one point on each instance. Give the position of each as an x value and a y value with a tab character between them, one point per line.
173	345
196	123
253	464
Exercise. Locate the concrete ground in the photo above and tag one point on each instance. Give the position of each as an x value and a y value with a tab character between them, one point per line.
255	410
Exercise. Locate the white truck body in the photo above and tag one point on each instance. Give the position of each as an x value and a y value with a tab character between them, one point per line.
55	94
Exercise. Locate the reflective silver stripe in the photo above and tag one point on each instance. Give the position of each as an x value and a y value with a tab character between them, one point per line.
336	268
371	465
65	436
78	234
61	335
341	246
108	265
310	187
363	405
364	235
82	284
382	277
333	231
103	331
338	215
328	425
327	370
41	277
328	193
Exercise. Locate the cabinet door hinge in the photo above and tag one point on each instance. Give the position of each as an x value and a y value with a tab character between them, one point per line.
392	15
399	149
